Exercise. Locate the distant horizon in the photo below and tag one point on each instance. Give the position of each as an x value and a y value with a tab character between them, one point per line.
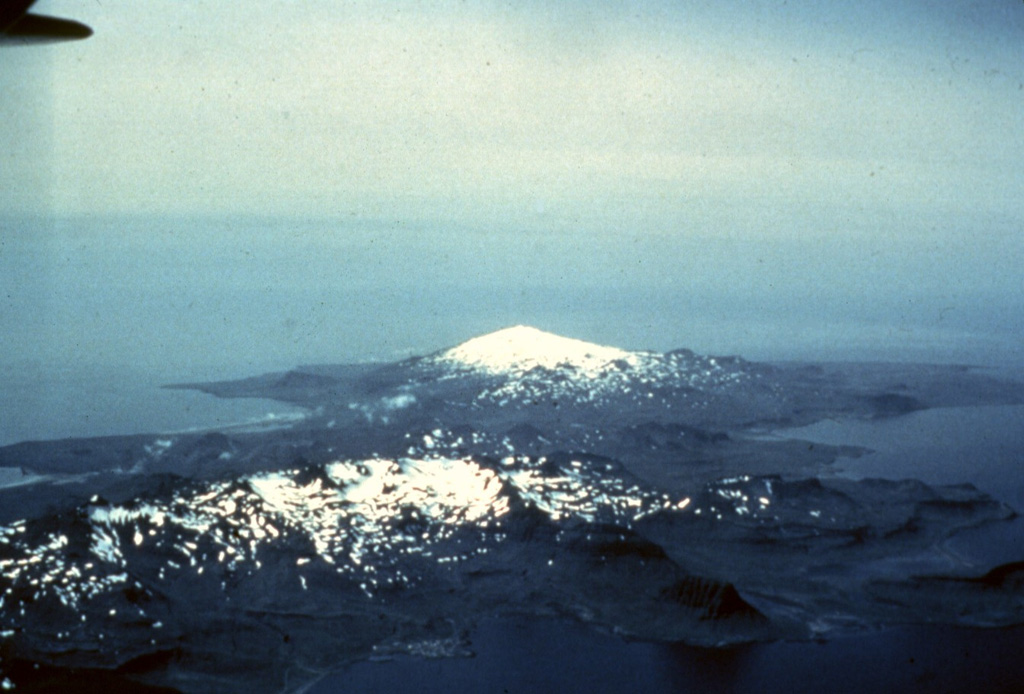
197	189
172	294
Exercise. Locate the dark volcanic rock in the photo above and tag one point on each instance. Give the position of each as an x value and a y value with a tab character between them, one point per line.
633	491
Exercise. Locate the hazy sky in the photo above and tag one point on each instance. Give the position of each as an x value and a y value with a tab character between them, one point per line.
484	110
861	149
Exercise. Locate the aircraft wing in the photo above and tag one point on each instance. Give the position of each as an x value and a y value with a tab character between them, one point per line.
18	26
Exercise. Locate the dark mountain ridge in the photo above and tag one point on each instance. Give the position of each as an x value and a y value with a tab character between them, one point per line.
517	473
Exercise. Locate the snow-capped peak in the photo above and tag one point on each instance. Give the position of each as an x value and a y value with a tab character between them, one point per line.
529	366
521	348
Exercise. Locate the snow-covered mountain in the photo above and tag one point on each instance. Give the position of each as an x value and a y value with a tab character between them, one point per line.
524	364
519	471
519	349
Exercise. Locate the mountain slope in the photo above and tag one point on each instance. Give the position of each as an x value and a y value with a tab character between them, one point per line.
518	472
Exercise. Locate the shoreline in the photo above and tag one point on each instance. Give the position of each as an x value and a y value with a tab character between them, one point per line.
522	654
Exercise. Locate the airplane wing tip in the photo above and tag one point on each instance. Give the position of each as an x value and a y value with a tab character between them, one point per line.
35	28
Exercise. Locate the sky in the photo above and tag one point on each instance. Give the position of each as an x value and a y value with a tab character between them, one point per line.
653	174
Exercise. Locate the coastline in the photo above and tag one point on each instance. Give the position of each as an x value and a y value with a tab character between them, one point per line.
42	404
518	654
521	654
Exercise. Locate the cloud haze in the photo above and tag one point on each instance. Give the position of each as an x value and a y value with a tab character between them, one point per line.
548	116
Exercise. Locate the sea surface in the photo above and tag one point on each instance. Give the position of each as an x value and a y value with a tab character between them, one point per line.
54	402
983	446
980	445
517	655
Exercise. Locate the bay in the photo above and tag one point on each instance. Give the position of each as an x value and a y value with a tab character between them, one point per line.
42	402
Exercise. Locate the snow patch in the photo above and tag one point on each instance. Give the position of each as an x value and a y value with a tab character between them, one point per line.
522	348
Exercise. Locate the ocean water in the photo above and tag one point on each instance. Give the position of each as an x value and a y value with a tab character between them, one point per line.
516	655
980	445
226	298
983	446
53	402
